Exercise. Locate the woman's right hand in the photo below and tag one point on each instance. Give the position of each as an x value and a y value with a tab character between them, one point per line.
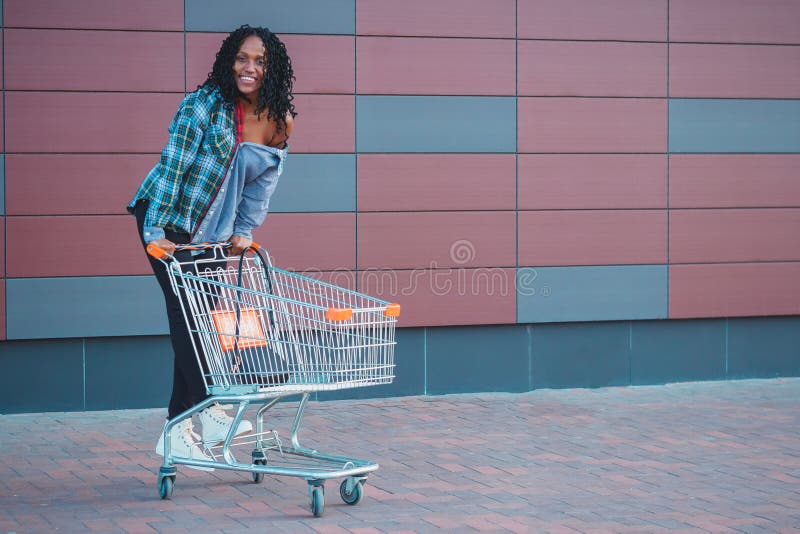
164	244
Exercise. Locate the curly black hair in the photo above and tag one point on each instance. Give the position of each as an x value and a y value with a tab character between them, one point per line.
275	96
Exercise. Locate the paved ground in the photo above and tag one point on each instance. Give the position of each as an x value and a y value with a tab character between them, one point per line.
718	457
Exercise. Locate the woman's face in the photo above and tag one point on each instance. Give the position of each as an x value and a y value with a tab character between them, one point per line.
250	65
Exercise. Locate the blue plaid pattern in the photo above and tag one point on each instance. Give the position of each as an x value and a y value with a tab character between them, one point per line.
184	182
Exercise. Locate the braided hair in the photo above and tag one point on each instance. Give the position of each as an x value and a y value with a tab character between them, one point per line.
275	95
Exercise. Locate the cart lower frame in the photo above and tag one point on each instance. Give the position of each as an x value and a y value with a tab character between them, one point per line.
291	460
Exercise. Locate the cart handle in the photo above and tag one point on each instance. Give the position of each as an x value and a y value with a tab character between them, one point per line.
161	254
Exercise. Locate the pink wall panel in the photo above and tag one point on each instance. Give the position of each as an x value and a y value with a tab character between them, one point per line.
74	246
95	14
310	241
201	49
586	181
592	125
326	123
560	68
732	21
436	182
618	20
2	247
734	180
2	125
341	278
437	18
88	122
734	235
436	240
153	60
2	309
730	290
73	184
734	71
321	63
615	237
390	65
446	297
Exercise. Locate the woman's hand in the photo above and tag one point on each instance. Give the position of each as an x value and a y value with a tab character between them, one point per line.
164	244
239	244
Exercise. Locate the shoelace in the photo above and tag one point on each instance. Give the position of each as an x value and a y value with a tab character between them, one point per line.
217	412
189	435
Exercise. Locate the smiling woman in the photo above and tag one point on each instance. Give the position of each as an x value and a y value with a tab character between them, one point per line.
226	150
253	69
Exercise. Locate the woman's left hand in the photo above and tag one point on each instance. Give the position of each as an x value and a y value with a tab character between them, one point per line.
239	244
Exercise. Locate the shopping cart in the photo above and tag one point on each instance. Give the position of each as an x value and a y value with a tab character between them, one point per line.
261	334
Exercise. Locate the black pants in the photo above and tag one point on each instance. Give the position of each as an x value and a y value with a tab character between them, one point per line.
188	386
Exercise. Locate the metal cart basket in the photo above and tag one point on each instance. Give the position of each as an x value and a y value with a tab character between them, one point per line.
261	334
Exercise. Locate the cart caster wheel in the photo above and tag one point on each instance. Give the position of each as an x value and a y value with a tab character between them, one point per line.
258	477
355	495
165	487
317	500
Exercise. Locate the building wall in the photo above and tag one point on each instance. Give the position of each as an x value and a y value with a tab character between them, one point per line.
538	164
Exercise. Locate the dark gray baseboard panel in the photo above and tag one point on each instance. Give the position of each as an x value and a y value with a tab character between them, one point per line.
136	372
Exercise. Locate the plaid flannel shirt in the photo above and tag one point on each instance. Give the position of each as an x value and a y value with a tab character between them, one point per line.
192	167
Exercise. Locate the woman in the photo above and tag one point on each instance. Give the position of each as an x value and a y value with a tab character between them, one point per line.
226	149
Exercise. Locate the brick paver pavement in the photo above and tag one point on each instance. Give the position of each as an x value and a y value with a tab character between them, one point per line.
714	456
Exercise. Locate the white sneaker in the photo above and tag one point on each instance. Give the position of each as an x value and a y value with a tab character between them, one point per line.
184	444
216	424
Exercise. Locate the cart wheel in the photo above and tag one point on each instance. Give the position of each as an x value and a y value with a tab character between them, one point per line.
317	500
355	495
258	477
165	487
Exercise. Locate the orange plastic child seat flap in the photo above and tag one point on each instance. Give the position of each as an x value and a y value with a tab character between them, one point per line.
251	334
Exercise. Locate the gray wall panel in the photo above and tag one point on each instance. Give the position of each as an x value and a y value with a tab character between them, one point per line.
297	16
133	372
84	307
712	125
315	183
3	184
477	358
435	124
41	376
763	347
604	293
580	355
672	351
